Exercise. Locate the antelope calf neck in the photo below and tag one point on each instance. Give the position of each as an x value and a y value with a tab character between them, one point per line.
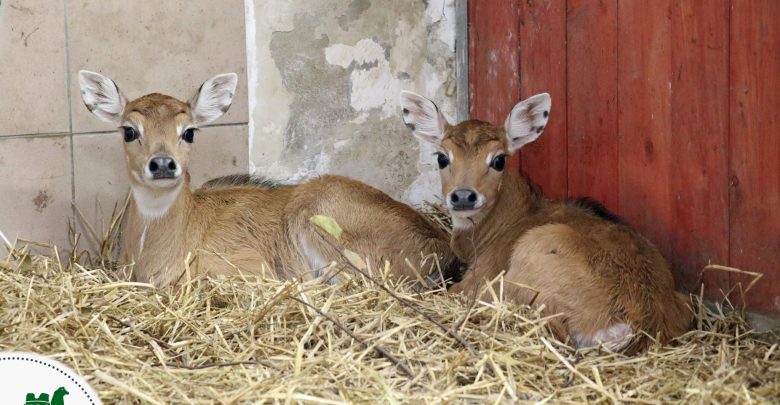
237	224
577	259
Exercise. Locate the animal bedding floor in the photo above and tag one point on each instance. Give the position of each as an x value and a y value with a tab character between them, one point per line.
245	341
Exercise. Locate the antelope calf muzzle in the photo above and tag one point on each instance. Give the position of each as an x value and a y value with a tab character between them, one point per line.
163	167
463	200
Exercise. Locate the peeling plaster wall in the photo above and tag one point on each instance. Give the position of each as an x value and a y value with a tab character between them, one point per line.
324	78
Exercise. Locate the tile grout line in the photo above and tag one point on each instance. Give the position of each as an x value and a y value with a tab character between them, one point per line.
108	131
250	54
111	131
228	124
35	135
70	115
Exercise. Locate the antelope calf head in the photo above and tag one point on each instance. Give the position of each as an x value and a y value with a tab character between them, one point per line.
472	155
158	132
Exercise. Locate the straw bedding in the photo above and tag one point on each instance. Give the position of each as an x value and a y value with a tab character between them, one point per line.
247	340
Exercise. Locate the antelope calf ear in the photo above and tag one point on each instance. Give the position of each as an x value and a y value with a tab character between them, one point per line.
527	121
423	117
213	98
102	96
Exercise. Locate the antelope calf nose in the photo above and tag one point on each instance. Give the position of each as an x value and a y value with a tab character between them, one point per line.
463	199
162	167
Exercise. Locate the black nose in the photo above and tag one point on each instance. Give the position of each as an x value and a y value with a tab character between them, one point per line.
162	167
463	199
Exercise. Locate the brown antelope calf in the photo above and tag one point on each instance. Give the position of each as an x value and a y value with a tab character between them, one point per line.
235	224
606	280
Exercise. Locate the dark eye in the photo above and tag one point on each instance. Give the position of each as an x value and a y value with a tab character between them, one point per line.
130	134
442	160
498	163
188	135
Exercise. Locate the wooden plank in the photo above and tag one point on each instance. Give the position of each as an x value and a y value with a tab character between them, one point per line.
754	142
543	69
644	123
462	59
494	53
699	141
591	58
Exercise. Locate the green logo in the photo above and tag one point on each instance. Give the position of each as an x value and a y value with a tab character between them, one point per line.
39	380
57	398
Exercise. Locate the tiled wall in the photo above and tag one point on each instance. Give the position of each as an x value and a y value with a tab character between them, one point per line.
52	150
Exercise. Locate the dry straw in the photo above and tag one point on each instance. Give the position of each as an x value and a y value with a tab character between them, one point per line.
247	339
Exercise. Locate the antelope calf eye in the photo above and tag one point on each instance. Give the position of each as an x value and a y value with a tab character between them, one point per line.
498	163
130	134
188	135
442	160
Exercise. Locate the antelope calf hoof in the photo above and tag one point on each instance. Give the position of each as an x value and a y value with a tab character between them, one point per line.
614	337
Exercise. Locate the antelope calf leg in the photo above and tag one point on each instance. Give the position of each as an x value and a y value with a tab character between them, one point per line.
372	224
548	259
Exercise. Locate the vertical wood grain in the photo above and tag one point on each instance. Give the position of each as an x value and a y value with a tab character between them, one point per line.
644	119
666	111
699	141
754	142
591	56
543	69
494	60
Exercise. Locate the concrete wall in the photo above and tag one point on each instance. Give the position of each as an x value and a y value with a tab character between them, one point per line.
324	78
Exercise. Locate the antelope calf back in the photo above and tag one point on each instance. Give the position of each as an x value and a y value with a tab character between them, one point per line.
237	224
606	280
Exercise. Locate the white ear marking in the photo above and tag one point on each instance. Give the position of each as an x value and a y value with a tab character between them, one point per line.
213	98
423	117
527	121
102	96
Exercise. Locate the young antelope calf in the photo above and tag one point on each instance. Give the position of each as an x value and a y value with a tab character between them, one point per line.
606	280
237	224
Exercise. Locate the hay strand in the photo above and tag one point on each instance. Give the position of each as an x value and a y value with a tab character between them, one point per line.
249	339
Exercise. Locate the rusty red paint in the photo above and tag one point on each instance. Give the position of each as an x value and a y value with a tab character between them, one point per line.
494	60
754	144
543	69
645	119
667	112
699	141
591	65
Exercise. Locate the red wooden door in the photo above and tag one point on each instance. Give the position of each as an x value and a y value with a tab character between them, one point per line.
667	111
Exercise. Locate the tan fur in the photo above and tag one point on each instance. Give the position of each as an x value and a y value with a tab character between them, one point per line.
596	272
253	229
